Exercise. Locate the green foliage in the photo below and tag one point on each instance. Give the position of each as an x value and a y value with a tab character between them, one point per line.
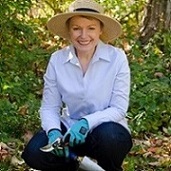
25	48
150	108
21	67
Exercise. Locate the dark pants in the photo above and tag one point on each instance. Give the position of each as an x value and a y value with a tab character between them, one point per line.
108	143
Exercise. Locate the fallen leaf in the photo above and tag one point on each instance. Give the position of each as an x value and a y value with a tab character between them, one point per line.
5	147
155	163
23	110
152	149
27	136
15	161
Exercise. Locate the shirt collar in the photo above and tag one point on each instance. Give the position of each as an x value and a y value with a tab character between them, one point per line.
70	55
100	53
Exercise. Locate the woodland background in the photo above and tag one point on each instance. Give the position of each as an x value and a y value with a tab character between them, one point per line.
25	48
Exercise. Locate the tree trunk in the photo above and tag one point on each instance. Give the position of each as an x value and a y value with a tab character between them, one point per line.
157	17
167	15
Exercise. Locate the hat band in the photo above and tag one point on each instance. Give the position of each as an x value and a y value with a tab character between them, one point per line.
86	9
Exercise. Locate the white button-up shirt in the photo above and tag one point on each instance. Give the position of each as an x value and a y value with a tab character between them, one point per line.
100	95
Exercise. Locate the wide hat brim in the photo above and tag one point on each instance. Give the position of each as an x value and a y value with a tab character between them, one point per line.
111	29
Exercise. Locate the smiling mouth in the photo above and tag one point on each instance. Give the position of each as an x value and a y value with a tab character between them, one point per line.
84	42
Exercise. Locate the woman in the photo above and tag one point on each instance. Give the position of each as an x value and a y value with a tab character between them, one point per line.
92	80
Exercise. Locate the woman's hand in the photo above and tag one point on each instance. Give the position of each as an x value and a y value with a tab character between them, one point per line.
77	133
53	135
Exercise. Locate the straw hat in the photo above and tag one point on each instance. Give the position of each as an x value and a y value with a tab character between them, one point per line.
111	29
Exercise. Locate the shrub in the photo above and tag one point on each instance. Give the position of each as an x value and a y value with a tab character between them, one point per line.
150	108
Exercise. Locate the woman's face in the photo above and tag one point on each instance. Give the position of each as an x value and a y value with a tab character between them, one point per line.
84	33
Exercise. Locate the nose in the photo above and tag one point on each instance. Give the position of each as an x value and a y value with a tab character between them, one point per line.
83	33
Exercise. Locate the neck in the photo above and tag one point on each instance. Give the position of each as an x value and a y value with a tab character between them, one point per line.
84	59
85	55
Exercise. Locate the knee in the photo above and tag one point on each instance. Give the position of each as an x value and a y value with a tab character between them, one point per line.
113	137
31	156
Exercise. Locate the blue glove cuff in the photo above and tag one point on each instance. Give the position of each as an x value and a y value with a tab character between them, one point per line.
53	135
84	128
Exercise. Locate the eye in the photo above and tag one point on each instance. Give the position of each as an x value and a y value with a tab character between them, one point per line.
92	28
75	28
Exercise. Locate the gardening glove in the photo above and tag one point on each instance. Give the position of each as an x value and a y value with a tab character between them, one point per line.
58	151
77	133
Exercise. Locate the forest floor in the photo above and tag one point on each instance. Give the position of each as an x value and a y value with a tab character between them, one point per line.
152	153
